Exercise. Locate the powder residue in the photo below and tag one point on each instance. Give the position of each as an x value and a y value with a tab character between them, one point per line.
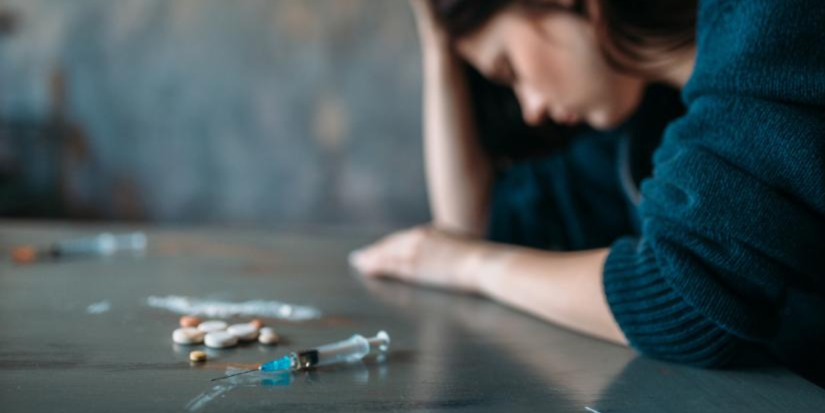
222	309
99	308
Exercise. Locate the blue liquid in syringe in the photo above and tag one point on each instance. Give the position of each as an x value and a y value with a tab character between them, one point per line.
283	363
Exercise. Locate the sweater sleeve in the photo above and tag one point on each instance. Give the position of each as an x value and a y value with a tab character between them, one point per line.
562	202
734	212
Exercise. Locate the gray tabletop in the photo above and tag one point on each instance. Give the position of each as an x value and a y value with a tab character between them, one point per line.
80	335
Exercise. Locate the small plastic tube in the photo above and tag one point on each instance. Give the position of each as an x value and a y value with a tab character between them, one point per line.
346	351
102	244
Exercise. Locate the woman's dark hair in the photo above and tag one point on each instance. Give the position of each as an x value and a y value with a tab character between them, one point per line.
463	17
633	31
636	32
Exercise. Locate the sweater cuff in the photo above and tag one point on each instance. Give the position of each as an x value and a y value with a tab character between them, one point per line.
654	317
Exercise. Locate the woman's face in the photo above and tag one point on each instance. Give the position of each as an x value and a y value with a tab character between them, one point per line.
555	66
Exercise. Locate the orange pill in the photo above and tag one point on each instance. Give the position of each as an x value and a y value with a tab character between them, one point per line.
24	255
189	321
257	323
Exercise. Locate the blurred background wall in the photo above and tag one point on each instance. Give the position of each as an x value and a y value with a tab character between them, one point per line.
211	111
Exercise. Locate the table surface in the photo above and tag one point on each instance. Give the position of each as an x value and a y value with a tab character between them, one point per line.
449	352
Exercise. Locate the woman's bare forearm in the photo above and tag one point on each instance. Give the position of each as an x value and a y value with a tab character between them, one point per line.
563	288
458	171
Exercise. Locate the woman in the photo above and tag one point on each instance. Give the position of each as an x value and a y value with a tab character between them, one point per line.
728	252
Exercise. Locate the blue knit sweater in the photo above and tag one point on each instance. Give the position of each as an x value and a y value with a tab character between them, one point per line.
732	245
726	248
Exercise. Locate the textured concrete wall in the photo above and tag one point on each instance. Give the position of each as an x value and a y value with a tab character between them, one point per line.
249	111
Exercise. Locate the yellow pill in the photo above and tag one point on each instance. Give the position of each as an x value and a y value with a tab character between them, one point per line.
197	356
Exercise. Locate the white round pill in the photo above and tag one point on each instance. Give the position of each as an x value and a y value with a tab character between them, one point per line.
268	336
188	335
244	332
212	325
220	339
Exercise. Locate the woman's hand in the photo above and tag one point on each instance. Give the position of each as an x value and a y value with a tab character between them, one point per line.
422	255
563	288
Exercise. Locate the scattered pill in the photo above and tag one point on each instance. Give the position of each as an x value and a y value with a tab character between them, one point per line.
257	323
189	321
24	255
268	336
212	325
244	332
197	356
187	335
220	339
269	340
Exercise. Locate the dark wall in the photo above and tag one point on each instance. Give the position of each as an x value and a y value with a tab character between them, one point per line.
244	111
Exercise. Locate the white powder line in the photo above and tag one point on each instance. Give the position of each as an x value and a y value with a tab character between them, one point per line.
222	309
99	308
590	409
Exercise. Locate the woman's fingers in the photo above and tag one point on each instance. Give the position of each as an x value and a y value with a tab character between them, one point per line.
396	254
422	255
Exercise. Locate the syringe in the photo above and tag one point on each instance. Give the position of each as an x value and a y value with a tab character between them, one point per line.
349	350
99	245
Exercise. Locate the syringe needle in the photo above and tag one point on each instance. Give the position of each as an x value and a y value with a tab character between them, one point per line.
233	375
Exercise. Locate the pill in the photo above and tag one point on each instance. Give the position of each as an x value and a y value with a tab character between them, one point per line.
187	335
212	325
24	255
189	321
220	339
197	356
268	336
257	323
244	332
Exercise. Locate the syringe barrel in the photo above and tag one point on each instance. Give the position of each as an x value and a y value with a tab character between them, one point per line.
352	349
